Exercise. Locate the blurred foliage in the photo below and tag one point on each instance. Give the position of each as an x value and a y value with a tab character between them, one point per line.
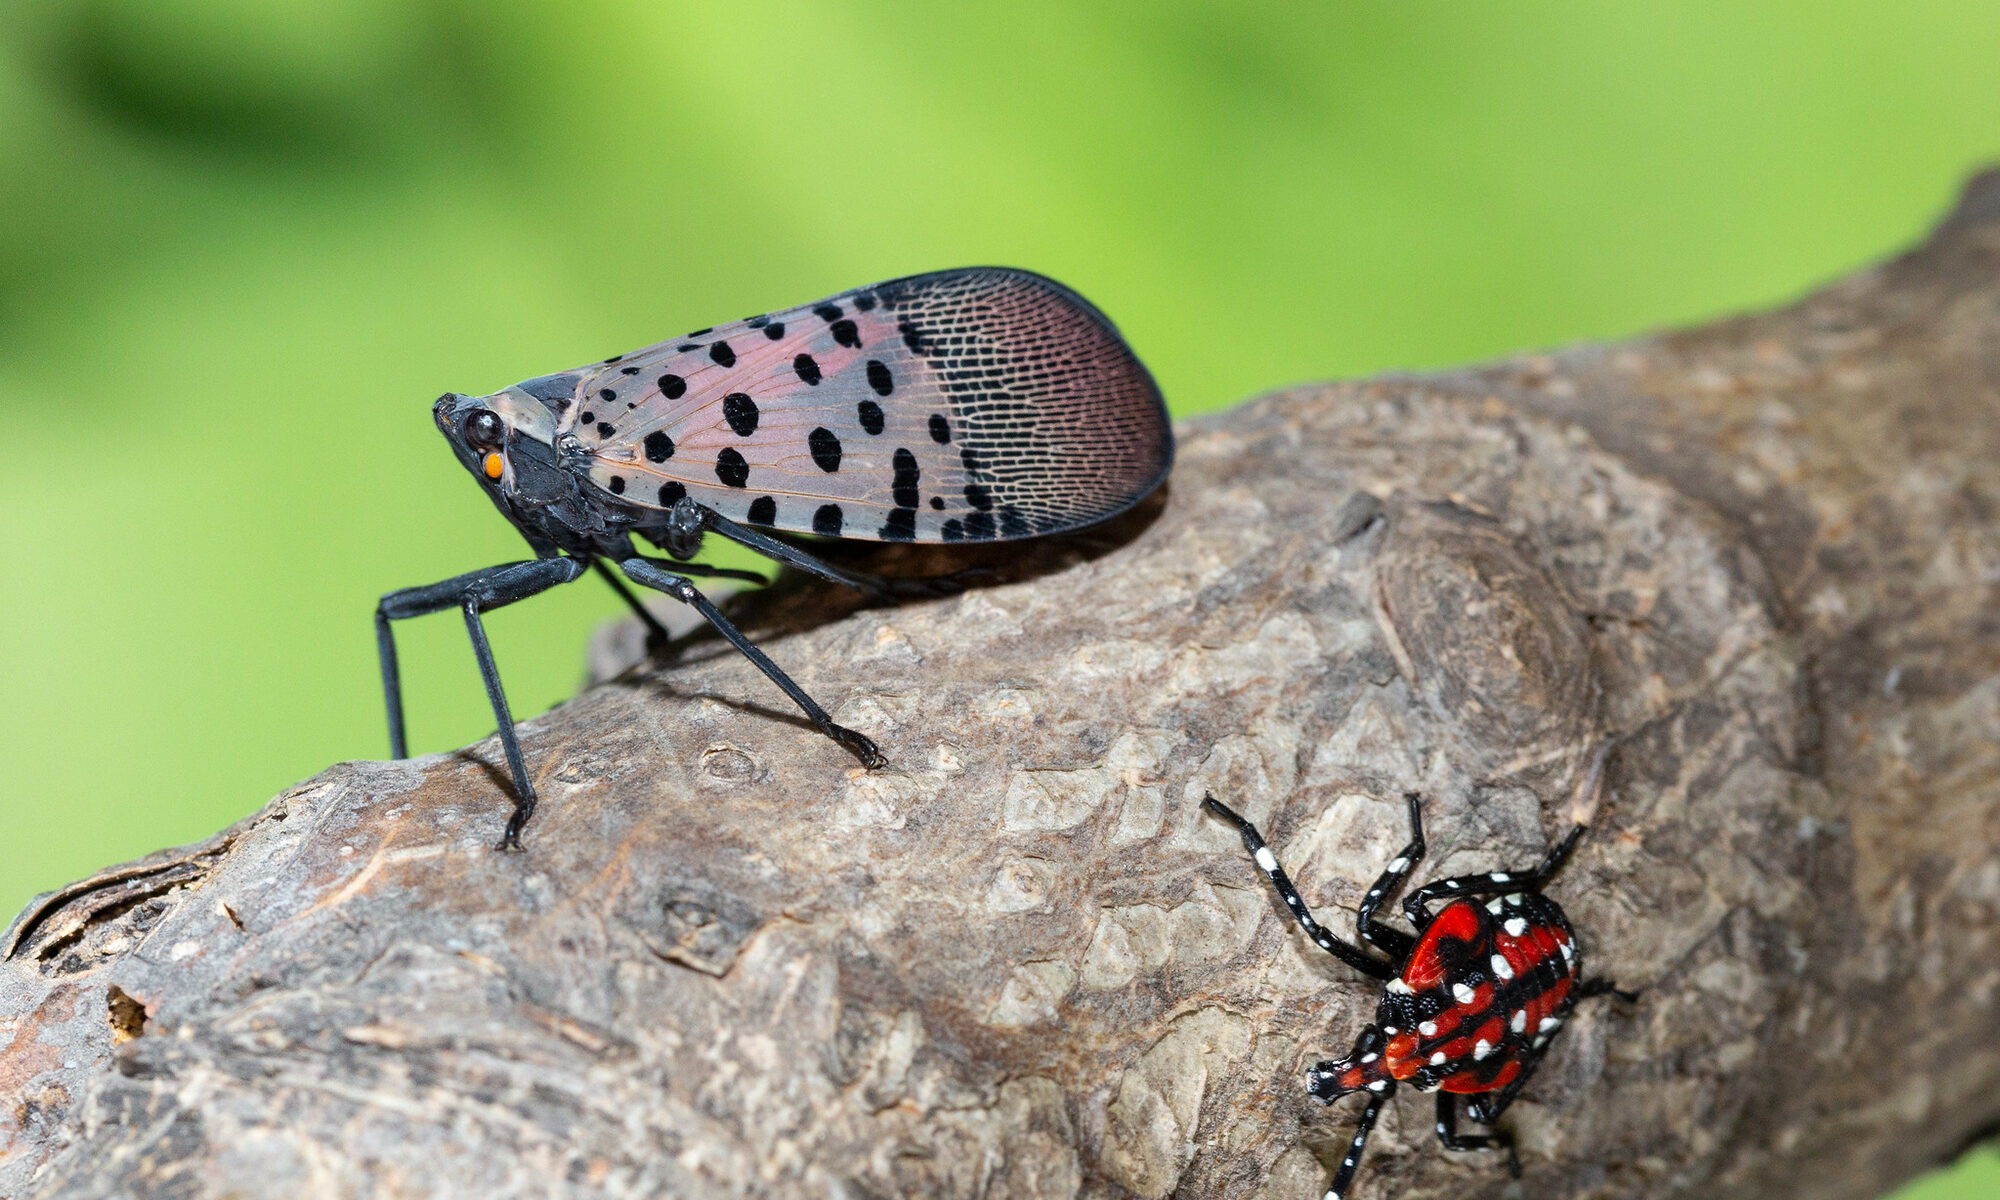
246	242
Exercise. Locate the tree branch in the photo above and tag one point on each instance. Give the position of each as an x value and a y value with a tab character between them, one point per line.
1762	556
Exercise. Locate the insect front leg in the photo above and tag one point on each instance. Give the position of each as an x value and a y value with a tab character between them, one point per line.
1393	942
1343	1176
646	573
474	593
1448	1134
1267	862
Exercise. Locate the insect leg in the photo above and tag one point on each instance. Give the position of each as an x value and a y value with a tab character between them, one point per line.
882	587
1447	1130
1393	942
1604	987
500	585
657	636
648	574
1344	1174
473	592
1267	862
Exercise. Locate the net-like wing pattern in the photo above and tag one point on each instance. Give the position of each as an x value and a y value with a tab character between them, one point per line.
974	404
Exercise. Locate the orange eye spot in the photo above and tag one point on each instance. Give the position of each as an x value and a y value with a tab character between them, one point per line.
494	466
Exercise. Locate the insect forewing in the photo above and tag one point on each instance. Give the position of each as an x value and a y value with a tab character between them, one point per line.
967	405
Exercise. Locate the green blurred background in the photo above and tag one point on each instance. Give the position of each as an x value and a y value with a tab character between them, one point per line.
244	243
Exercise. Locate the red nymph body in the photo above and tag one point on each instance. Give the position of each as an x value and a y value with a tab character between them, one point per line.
1468	1005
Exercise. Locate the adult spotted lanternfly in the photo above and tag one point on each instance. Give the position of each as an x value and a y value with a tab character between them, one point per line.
975	405
1469	1003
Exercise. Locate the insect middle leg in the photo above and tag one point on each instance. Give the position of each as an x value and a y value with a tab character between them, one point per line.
1393	942
1448	1134
1267	862
657	635
1416	906
646	573
474	592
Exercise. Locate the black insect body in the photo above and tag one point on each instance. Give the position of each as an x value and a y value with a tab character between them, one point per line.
1469	1004
983	404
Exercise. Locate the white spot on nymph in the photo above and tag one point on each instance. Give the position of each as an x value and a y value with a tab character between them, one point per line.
1502	877
1378	1085
1398	987
1541	1041
1332	1195
1520	1022
1428	1029
1548	1023
1514	898
1399	866
1495	905
1370	1057
1266	859
1568	953
1516	927
1390	1030
1502	968
1481	1048
1437	1059
1461	993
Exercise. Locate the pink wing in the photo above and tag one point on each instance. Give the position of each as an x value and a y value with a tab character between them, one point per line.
976	404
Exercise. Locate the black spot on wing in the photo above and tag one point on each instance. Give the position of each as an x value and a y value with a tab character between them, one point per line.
673	387
808	368
731	468
903	486
825	449
617	485
741	412
940	429
827	312
775	330
826	520
722	355
846	334
764	511
871	416
899	526
671	493
658	446
880	379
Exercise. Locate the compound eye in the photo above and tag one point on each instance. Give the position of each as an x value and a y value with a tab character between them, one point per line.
484	430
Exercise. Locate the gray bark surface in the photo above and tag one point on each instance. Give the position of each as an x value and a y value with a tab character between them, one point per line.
1761	556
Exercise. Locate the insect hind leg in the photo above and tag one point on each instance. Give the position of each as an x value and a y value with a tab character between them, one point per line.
647	573
881	587
1267	862
1393	942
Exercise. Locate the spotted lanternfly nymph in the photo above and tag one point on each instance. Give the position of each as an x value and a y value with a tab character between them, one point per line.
1468	1005
975	405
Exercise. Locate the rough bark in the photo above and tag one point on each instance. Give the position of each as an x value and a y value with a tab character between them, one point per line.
1763	556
